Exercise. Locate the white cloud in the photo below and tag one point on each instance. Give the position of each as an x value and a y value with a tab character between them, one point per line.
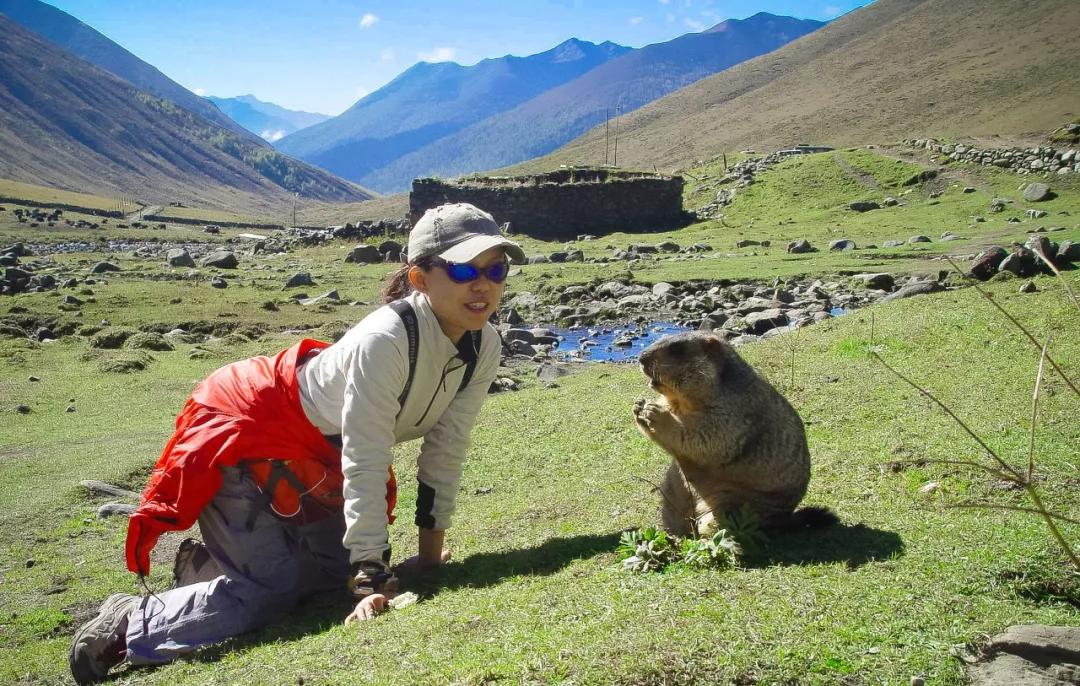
437	55
695	24
387	55
832	11
272	135
634	21
199	92
368	20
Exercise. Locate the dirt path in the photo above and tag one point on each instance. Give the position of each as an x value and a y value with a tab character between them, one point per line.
857	174
139	214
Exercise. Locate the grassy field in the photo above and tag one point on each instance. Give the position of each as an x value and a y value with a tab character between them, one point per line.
904	586
17	190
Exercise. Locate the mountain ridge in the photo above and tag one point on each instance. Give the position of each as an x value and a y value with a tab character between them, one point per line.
267	120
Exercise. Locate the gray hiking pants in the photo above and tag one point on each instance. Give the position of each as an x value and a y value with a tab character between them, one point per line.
265	569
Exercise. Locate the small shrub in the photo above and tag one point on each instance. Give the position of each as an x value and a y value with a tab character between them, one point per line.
721	551
653	549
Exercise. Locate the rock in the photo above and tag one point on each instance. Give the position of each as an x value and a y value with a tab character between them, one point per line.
919	239
1028	287
537	259
890	202
917	288
950	236
842	244
102	267
699	247
1021	262
668	246
800	246
148	341
1035	214
392	248
22	409
558	257
178	257
221	259
95	487
643	249
212	228
550	371
662	289
111	338
1036	192
333	296
986	263
364	254
864	206
969	189
299	279
218	282
880	281
760	322
746	243
1040	244
111	509
511	335
892	244
996	205
1029	654
1067	253
44	334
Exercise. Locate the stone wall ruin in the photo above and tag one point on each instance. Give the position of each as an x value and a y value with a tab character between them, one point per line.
563	203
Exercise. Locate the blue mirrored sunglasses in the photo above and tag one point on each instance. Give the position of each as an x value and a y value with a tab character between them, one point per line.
463	272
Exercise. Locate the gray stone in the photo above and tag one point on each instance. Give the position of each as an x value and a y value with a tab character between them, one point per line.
917	288
550	371
537	259
220	259
950	236
662	289
1021	262
329	295
111	509
892	244
760	322
558	257
969	189
1036	192
842	244
102	267
881	281
864	206
987	262
511	335
1035	214
919	239
800	246
746	242
668	246
1068	252
890	202
218	282
643	249
299	279
178	257
94	487
1028	287
364	254
1034	654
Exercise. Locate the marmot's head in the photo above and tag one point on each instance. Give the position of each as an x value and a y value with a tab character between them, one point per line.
685	368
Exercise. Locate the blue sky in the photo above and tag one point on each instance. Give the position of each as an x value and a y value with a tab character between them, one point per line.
324	55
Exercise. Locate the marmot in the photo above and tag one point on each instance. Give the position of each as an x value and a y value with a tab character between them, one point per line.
734	439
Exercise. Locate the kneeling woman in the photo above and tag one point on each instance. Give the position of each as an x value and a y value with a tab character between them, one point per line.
285	461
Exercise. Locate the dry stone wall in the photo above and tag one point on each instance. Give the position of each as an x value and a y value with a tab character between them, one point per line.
1037	160
564	203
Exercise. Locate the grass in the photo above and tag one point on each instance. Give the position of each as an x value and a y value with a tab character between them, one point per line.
905	586
17	190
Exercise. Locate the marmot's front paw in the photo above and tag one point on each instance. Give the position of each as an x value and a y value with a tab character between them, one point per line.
648	413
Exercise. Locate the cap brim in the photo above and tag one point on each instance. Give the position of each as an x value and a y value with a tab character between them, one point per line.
470	248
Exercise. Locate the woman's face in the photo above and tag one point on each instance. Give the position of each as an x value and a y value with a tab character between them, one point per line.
461	307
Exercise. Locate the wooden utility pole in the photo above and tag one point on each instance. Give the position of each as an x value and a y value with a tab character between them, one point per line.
607	119
615	157
294	197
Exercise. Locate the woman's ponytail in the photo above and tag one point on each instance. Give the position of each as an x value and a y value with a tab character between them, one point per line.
397	285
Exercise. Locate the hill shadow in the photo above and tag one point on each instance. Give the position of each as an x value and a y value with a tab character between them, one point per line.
852	544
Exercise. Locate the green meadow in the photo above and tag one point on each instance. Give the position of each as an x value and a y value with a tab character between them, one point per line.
908	584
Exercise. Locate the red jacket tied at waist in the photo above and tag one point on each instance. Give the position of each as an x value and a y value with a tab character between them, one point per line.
248	410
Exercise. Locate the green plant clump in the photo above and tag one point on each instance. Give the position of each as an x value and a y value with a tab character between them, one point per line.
653	549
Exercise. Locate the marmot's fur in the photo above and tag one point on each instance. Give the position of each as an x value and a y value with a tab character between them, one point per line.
734	439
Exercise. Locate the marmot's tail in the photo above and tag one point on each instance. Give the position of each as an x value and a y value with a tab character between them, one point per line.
813	517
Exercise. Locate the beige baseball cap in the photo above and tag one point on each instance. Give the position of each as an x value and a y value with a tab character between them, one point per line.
458	232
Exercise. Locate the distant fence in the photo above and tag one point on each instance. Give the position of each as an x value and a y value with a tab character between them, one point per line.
192	220
62	206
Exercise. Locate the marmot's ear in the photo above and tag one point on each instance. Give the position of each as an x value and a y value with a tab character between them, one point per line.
715	347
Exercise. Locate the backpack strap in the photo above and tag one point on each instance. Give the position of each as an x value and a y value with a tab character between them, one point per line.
412	332
470	362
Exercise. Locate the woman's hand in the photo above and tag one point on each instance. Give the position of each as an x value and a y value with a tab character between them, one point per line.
368	608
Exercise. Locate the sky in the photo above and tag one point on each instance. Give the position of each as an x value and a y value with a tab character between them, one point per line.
324	55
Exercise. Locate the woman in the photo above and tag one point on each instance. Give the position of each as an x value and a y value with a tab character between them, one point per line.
285	461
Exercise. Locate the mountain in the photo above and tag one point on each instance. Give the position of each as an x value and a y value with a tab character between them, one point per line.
893	69
265	119
563	113
430	101
68	124
76	37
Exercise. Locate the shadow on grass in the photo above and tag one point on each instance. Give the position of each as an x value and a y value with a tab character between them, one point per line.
321	613
852	544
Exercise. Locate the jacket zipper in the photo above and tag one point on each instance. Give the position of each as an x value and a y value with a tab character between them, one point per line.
442	383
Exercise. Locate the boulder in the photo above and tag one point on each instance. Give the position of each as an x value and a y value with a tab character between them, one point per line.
917	288
364	254
987	262
842	244
864	206
299	279
879	281
102	267
1036	192
218	282
221	259
919	239
892	244
1067	253
1021	262
558	257
758	323
537	259
800	246
178	257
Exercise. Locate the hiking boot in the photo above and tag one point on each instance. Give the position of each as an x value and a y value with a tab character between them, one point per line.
371	576
99	645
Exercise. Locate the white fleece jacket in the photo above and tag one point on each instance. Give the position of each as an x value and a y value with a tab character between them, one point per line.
352	389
